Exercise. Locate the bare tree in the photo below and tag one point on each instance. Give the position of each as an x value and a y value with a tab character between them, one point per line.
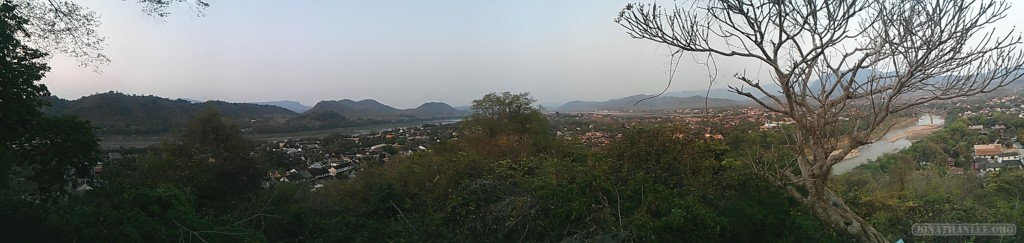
866	59
65	27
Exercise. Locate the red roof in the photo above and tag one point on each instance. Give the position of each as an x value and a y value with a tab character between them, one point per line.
987	149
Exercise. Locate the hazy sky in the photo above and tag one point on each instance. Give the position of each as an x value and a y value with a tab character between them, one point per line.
401	53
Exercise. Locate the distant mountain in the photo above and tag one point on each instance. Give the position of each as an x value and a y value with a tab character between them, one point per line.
658	103
354	109
132	114
118	113
372	109
814	87
464	108
287	104
193	101
579	105
430	109
725	93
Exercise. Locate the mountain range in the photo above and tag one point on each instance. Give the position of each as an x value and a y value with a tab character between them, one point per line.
119	113
372	109
287	104
664	102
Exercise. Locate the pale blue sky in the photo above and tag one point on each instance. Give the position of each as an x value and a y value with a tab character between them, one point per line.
401	53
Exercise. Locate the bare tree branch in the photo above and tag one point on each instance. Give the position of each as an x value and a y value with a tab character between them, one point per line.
866	59
65	27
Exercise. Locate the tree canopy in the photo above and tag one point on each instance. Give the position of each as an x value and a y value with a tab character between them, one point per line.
68	28
511	118
48	151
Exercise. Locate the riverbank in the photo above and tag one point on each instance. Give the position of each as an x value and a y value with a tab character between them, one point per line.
853	153
915	133
898	137
139	141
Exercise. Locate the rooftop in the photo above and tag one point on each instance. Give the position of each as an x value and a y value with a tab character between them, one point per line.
987	149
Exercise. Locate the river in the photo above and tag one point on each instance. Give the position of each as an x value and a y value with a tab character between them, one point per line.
110	142
352	130
885	145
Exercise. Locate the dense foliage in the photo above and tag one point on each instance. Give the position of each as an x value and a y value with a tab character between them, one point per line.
39	155
506	178
656	183
915	185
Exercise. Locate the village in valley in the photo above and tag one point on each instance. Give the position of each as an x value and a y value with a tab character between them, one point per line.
994	122
320	159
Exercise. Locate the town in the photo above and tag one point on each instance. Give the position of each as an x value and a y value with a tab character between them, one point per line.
317	160
994	123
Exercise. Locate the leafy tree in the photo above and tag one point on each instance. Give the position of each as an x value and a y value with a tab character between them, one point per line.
211	157
20	95
868	60
506	124
275	159
391	150
43	148
119	214
675	157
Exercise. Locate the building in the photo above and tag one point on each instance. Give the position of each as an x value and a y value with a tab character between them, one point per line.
987	150
1013	164
990	167
1007	156
956	171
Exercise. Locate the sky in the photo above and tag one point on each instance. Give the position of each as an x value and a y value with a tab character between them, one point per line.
401	53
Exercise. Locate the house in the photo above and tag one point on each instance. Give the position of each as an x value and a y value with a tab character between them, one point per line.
990	167
317	173
980	163
297	176
1004	156
976	127
83	188
1014	164
348	170
987	150
316	165
305	175
956	171
769	125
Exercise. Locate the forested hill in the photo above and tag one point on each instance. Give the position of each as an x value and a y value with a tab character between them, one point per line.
121	113
287	104
369	108
118	113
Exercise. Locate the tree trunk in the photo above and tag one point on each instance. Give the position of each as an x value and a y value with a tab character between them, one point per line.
831	210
